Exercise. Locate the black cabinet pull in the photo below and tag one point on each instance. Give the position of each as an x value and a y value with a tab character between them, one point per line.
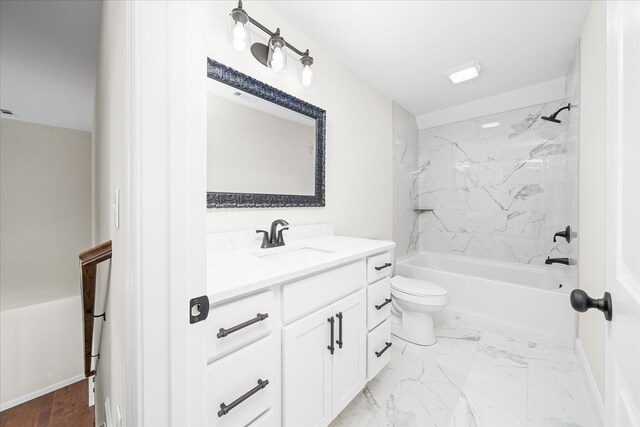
386	301
259	318
379	353
330	346
382	267
339	342
224	409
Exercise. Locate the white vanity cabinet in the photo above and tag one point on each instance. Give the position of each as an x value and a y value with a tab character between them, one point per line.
378	313
324	362
311	330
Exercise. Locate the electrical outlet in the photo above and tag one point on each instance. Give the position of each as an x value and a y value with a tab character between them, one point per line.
107	413
118	416
49	377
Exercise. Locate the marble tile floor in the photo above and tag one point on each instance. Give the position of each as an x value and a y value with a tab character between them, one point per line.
476	375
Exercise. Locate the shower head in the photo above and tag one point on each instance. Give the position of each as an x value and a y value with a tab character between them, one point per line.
552	118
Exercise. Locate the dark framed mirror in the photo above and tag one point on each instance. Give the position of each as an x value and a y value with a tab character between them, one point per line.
265	148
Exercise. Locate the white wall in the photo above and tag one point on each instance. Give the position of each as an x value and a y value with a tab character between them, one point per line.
591	233
40	350
109	162
45	202
45	222
359	175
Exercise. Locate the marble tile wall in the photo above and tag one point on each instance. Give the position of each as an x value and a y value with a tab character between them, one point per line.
405	174
500	193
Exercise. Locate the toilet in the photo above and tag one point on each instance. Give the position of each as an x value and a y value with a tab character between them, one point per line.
413	304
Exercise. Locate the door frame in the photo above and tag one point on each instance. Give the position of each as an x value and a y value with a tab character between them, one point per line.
166	183
625	299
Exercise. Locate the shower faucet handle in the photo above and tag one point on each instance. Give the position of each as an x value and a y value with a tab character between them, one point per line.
567	234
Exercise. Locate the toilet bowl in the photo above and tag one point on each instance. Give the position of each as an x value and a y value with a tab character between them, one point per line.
414	302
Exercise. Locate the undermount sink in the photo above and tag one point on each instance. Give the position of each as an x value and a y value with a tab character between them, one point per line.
298	254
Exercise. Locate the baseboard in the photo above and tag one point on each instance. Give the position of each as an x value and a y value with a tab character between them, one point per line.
592	388
41	392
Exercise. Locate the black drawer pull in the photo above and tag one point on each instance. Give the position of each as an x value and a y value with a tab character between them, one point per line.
259	318
382	267
339	342
379	353
224	409
386	301
330	346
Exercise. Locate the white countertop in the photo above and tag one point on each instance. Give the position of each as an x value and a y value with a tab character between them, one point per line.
236	272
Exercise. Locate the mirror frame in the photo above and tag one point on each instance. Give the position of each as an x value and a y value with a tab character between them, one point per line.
236	79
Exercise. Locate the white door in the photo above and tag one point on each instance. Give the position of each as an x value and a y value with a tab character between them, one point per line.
622	351
349	358
307	370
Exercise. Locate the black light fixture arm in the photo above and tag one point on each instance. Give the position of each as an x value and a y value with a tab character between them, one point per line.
271	33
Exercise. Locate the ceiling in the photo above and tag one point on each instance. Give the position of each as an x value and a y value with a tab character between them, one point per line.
48	61
403	48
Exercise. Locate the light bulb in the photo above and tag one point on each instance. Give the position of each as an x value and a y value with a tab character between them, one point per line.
307	76
277	59
239	33
239	45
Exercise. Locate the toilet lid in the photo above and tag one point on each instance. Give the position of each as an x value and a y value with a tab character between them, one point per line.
417	287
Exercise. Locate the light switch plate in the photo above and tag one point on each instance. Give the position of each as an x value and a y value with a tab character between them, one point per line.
116	208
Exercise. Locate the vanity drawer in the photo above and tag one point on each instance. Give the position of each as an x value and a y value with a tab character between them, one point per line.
228	379
378	266
265	420
377	356
236	324
307	295
378	302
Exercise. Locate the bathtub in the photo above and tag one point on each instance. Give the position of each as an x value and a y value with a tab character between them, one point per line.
530	300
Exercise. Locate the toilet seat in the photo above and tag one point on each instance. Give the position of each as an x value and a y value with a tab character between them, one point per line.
415	287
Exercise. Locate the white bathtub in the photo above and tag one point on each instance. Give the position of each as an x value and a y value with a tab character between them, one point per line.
524	298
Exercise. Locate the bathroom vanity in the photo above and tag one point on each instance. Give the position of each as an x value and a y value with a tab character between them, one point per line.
294	333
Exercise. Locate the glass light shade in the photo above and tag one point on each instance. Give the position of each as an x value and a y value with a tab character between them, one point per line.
277	58
240	30
306	76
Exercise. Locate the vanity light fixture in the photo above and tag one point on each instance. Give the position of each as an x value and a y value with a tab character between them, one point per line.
272	55
464	72
240	32
490	125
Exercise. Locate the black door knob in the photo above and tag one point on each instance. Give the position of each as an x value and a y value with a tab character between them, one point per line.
582	302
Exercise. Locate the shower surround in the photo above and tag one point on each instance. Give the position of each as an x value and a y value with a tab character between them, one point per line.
501	192
405	158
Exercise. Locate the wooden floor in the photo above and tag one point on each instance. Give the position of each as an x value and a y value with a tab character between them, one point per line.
64	407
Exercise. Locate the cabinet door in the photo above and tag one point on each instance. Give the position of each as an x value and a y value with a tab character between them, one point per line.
349	359
307	370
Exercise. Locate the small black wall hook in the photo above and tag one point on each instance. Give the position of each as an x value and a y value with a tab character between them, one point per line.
103	315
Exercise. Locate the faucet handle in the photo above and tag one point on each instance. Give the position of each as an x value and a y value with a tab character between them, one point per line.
280	240
265	238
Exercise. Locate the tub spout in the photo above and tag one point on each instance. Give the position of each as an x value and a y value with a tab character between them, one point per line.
565	261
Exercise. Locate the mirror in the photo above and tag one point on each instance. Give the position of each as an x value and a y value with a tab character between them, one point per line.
265	148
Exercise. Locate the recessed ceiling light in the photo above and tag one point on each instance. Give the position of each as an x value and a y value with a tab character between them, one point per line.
490	125
464	72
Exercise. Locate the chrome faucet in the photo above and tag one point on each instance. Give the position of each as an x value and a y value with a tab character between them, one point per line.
272	239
